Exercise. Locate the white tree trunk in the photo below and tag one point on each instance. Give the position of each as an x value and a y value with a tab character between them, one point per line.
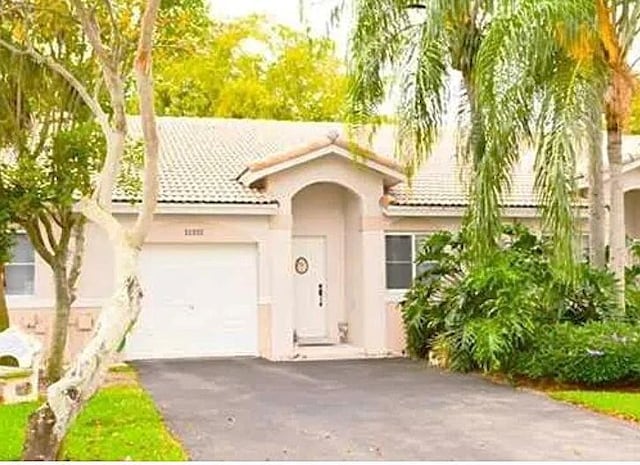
617	231
597	225
48	426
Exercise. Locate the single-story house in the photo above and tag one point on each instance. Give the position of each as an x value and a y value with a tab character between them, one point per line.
273	239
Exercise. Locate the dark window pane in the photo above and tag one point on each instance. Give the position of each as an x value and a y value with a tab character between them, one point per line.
19	279
22	250
398	248
399	275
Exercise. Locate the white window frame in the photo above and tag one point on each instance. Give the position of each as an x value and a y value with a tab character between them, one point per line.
33	264
414	266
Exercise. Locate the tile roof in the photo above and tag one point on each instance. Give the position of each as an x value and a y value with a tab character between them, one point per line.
201	159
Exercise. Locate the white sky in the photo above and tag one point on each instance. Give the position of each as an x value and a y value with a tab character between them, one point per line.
317	15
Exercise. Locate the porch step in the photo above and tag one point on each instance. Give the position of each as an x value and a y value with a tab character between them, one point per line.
335	352
315	341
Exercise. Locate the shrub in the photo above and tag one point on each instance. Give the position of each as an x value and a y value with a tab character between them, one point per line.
589	296
489	317
595	353
472	317
473	314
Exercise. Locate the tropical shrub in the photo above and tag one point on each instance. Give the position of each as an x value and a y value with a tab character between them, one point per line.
489	317
595	353
473	317
470	314
589	296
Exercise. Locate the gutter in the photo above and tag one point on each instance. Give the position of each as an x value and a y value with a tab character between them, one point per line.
458	211
202	208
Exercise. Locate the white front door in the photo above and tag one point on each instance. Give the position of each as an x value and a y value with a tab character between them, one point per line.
310	287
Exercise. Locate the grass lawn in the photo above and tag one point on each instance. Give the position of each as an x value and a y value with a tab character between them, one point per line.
621	404
119	423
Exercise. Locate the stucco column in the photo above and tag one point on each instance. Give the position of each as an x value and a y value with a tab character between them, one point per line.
373	290
281	287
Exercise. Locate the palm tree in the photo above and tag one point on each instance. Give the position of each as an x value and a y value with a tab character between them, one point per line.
408	50
418	44
570	57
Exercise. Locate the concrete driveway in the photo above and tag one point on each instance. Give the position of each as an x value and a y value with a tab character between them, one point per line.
251	409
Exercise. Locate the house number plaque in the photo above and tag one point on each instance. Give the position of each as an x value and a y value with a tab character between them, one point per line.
302	266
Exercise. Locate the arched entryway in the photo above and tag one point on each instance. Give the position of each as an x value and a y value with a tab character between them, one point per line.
327	259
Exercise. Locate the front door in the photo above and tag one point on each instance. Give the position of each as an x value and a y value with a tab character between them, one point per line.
310	287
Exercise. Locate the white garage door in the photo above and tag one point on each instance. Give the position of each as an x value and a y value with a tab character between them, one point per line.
199	301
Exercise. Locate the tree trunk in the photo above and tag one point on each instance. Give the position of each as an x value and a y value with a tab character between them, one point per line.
596	204
617	232
4	310
48	426
61	325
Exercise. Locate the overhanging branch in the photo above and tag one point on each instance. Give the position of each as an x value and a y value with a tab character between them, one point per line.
99	114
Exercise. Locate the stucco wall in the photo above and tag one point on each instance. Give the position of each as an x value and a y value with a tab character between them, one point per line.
367	238
39	323
353	272
34	313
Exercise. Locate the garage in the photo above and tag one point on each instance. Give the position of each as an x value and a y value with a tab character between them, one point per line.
200	301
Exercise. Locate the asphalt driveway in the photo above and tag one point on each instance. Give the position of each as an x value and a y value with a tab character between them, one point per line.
251	409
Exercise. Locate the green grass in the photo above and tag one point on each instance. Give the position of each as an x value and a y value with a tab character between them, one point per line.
119	423
620	404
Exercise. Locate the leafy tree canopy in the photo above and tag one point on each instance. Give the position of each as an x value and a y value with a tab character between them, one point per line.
250	68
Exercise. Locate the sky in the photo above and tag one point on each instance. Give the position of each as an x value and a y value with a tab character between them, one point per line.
317	15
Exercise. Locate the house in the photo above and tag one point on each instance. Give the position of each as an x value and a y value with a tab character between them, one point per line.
273	239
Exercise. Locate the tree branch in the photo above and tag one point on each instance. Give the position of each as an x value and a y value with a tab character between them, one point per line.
78	233
144	78
115	134
35	236
92	30
51	238
100	116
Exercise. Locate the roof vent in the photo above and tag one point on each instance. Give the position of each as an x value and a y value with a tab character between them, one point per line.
333	135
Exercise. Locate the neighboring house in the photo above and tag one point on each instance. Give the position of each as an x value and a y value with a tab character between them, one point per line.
270	240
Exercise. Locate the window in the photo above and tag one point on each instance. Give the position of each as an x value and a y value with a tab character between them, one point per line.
401	252
19	273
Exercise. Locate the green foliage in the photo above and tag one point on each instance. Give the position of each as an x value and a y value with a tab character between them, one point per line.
633	125
129	179
7	230
473	316
590	296
249	68
490	316
484	315
595	353
119	423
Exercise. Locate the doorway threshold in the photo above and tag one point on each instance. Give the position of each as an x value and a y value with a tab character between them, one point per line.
335	352
315	341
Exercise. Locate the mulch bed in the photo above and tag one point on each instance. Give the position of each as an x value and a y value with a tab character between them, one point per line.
551	385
